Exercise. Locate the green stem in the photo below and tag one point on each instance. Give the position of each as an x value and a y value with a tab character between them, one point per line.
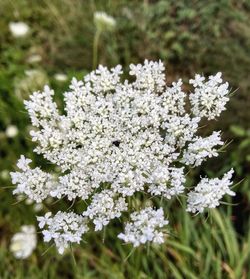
95	48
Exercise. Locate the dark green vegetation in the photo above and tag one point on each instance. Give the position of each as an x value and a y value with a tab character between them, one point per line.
189	37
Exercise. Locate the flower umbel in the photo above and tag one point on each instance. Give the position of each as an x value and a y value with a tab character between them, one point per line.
145	226
209	192
117	140
63	228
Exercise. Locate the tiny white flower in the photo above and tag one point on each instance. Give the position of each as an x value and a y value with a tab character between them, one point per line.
44	220
24	242
23	163
34	183
11	131
105	207
19	29
197	81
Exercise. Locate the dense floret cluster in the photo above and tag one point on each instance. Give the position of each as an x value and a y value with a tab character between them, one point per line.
208	193
64	228
209	97
145	226
118	139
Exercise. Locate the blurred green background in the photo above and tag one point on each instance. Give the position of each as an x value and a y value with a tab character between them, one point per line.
189	37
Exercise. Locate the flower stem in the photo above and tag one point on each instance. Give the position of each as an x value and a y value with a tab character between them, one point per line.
95	48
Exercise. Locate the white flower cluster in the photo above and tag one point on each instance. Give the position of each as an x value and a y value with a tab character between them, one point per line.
173	178
19	29
208	193
201	148
209	98
104	21
105	207
11	131
64	228
116	139
34	183
24	242
145	226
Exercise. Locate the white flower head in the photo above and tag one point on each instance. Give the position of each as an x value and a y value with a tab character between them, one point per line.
11	131
116	140
19	29
104	21
24	242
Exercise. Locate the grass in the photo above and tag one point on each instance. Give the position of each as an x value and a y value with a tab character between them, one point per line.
197	248
189	36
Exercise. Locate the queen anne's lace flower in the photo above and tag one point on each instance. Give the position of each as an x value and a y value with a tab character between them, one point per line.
209	192
116	139
145	226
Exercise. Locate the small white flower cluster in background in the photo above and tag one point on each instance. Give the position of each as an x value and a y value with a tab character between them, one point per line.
145	226
104	21
60	77
117	140
24	242
11	131
19	29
